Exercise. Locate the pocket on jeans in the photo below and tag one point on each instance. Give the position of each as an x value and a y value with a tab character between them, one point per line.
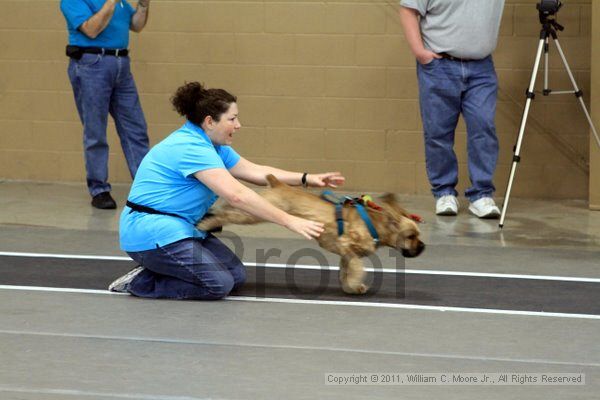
88	60
430	63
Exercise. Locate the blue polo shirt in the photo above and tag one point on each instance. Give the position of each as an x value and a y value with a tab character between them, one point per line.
165	181
114	36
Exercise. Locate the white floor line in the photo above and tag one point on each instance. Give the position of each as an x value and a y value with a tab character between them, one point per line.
79	393
436	272
58	290
66	256
335	303
296	347
333	268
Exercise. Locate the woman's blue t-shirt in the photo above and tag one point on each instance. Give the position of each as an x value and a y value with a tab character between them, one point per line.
165	181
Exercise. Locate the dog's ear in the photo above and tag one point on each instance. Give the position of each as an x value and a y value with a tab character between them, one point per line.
391	200
393	222
389	211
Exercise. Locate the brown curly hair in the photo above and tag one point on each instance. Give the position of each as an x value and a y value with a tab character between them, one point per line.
195	102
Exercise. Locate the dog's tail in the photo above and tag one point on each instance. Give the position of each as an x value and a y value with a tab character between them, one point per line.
273	182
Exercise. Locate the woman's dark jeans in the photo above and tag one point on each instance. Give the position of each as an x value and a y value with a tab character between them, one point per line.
191	268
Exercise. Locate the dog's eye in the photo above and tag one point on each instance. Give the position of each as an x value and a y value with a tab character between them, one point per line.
411	237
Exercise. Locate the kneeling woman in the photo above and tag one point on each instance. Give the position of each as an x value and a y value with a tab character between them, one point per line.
175	185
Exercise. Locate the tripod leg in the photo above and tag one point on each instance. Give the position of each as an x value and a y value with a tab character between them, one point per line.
546	88
577	91
517	150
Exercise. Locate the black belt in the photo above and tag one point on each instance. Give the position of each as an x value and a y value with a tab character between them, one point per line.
105	52
149	210
452	58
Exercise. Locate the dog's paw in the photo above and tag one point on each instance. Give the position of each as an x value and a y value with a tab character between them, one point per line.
362	289
355	289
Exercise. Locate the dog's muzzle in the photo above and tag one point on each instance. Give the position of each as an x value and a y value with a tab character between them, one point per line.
409	253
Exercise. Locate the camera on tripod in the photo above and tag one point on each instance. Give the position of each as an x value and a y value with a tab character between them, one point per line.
548	8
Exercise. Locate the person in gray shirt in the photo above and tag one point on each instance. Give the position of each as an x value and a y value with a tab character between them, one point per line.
452	41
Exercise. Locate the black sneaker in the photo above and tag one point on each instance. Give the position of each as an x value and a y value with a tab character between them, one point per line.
104	201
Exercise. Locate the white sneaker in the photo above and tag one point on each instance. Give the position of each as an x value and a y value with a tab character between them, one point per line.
485	208
446	205
121	284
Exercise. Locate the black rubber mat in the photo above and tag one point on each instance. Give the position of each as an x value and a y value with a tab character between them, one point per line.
422	289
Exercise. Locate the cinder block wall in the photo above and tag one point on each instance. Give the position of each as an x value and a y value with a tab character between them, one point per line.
322	85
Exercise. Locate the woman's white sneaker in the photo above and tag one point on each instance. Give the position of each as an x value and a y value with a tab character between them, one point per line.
121	284
485	208
446	205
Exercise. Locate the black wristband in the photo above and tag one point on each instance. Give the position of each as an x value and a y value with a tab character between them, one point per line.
304	179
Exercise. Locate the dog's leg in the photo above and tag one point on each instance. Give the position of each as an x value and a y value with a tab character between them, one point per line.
352	274
227	215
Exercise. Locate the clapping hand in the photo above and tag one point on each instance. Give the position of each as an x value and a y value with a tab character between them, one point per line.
330	179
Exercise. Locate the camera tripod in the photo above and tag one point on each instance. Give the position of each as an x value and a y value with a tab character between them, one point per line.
549	28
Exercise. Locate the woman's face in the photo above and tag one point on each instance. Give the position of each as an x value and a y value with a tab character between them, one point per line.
221	132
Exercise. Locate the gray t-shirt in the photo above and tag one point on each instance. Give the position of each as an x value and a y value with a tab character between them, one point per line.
461	28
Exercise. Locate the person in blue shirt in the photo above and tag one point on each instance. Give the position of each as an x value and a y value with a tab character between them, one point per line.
100	74
177	182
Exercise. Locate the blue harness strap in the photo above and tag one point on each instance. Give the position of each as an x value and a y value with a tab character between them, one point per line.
339	203
365	217
339	207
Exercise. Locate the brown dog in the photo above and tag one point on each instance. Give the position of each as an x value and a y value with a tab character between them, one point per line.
394	227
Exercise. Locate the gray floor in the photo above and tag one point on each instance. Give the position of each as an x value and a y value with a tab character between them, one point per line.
63	345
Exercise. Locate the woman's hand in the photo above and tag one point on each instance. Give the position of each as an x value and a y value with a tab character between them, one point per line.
308	229
331	179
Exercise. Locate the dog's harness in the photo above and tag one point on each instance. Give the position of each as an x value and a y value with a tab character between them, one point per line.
359	203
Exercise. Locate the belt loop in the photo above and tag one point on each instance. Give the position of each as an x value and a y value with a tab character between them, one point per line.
102	52
117	52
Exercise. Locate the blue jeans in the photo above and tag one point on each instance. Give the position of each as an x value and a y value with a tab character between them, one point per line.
191	268
103	85
448	88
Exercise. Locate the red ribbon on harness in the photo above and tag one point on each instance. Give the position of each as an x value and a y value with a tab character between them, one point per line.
416	218
368	201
